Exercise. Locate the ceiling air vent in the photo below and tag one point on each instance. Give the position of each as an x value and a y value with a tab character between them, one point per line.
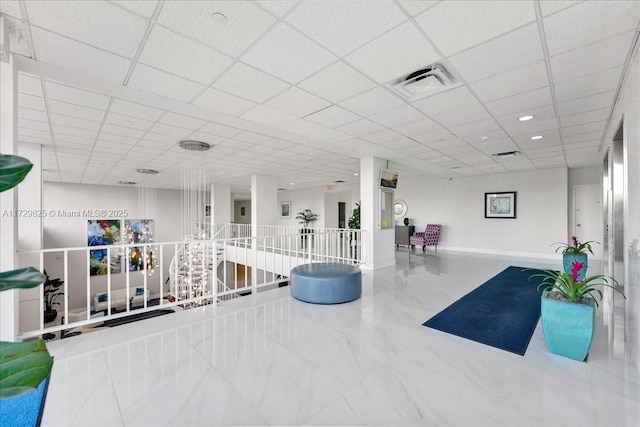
424	82
507	154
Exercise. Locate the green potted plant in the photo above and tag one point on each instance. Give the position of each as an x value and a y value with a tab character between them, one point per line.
568	309
575	251
52	292
354	219
24	366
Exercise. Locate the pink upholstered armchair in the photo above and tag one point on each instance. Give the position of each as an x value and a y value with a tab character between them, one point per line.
429	237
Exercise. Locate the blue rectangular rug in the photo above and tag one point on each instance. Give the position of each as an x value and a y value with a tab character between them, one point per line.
502	312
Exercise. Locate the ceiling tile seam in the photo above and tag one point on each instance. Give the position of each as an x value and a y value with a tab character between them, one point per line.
547	62
593	43
464	82
633	51
25	21
111	2
236	59
145	37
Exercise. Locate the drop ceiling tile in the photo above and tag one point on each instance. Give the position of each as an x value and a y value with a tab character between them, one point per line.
524	79
585	144
587	128
434	136
571	139
144	8
34	133
337	82
220	130
589	22
475	128
58	119
32	102
76	96
418	128
165	84
359	127
548	7
178	132
589	59
372	102
176	54
398	116
496	146
488	135
457	25
603	81
415	7
161	138
69	54
303	127
520	103
588	103
35	140
182	121
122	131
584	118
29	85
245	23
382	136
67	130
288	55
404	50
133	109
331	136
267	116
76	139
530	128
128	121
279	7
504	53
446	102
99	24
31	124
222	102
27	113
345	26
463	116
332	116
73	110
551	137
11	8
511	121
297	102
250	83
399	143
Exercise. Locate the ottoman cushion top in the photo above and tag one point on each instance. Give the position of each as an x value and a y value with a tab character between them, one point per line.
322	270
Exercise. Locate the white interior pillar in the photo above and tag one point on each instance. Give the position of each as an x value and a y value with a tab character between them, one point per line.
378	244
221	204
30	233
8	199
264	201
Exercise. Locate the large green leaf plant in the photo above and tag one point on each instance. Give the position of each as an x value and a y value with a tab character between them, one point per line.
23	365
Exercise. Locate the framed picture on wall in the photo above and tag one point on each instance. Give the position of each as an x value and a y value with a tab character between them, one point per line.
285	210
500	205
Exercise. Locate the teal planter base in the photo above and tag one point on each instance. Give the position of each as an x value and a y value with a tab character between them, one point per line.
568	327
26	409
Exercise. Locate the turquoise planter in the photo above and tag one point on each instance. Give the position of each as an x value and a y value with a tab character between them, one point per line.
568	327
26	409
567	263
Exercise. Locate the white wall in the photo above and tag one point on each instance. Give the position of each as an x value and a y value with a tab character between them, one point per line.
60	232
237	217
331	200
320	201
629	107
458	205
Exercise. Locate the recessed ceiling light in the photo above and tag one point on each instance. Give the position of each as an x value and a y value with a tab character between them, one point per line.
485	138
525	118
127	182
128	122
291	183
147	171
218	18
192	145
356	174
537	137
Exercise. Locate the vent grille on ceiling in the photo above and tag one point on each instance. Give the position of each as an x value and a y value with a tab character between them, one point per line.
424	82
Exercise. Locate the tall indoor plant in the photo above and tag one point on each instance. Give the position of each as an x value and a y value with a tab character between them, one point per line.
24	366
568	309
575	251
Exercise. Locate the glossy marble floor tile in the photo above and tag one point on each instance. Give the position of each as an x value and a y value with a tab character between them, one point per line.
269	359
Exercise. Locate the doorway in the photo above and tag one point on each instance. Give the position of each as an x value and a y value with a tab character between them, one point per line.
342	215
587	215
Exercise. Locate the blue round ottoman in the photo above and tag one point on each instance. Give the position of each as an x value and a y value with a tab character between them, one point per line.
326	283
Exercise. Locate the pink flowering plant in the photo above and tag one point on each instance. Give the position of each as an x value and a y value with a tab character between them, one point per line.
575	247
568	287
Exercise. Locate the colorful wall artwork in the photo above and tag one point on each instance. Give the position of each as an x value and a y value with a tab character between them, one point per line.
140	231
102	232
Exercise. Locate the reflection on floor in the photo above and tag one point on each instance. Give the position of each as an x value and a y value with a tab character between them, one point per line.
270	359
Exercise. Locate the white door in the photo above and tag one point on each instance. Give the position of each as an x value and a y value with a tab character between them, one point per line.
587	220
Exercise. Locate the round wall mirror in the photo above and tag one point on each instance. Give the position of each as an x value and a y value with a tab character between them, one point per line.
400	208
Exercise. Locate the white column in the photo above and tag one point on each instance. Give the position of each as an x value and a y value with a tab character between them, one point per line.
378	244
30	233
264	201
222	204
8	199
